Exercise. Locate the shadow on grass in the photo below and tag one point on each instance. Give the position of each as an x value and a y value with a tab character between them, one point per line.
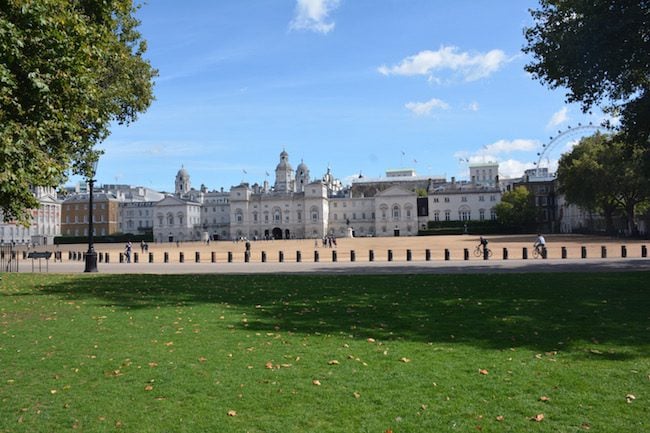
543	312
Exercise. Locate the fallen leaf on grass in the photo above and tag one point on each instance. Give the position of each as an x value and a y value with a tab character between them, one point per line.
630	398
371	340
483	372
268	365
333	362
232	413
544	399
203	359
405	360
356	395
500	418
148	388
316	382
538	418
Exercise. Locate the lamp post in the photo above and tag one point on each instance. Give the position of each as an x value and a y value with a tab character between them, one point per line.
91	255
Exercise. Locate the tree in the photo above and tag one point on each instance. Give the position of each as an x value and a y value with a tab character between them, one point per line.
600	51
517	209
599	174
68	70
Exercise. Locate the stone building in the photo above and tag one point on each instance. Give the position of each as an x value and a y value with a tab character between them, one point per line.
45	221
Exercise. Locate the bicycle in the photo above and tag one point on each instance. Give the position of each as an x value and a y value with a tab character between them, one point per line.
478	251
538	251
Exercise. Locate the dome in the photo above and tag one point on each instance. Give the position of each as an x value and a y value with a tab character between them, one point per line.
284	162
182	173
302	168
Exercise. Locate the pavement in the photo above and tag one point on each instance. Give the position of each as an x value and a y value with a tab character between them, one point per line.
358	267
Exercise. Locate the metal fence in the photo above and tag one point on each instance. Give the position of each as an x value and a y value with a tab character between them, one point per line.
8	259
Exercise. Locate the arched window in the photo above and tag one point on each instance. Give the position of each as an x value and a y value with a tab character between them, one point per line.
396	212
170	219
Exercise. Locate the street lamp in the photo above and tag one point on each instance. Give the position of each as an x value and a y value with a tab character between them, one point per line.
91	255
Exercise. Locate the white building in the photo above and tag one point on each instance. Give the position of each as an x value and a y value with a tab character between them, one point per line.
45	221
297	206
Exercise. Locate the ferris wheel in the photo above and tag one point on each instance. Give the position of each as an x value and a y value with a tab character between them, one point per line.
563	137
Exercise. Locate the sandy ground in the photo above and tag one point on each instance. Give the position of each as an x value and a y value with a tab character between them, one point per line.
361	247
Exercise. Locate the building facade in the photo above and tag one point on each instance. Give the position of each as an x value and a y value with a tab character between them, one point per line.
45	221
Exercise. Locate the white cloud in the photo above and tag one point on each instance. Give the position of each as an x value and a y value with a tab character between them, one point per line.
558	118
473	106
512	168
471	66
313	15
424	108
508	146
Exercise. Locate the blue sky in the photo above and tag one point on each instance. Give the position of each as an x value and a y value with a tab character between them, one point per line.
360	85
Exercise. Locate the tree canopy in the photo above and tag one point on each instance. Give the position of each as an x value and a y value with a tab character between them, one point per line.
599	175
68	69
599	50
517	209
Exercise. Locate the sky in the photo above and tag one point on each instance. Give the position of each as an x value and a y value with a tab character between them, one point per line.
360	86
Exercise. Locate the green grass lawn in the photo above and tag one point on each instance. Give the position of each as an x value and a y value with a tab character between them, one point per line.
298	353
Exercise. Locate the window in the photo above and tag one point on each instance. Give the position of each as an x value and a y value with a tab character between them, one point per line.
481	214
446	199
396	212
481	198
463	199
436	200
493	198
299	216
436	216
493	214
408	213
447	215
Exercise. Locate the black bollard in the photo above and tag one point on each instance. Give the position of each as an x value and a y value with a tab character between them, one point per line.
409	255
298	257
69	255
100	256
181	257
121	257
544	252
644	251
524	253
229	256
213	257
564	252
353	256
135	257
247	256
465	254
150	257
263	257
371	256
623	251
166	257
106	258
316	256
334	255
485	253
603	252
447	255
505	253
281	256
583	252
390	255
427	255
197	257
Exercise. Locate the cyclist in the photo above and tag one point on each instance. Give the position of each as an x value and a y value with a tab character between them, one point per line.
484	243
540	244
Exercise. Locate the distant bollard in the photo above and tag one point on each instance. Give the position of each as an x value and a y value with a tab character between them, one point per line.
583	252
544	252
298	257
316	256
644	251
390	255
486	254
427	255
106	258
247	256
505	253
263	257
280	256
121	257
447	254
524	253
409	255
69	255
334	255
181	257
136	257
564	255
465	254
24	255
603	252
150	257
371	256
197	257
623	251
229	256
101	257
166	257
213	257
353	256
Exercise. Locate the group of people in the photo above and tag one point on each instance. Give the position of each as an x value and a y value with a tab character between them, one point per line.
328	241
128	249
539	244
